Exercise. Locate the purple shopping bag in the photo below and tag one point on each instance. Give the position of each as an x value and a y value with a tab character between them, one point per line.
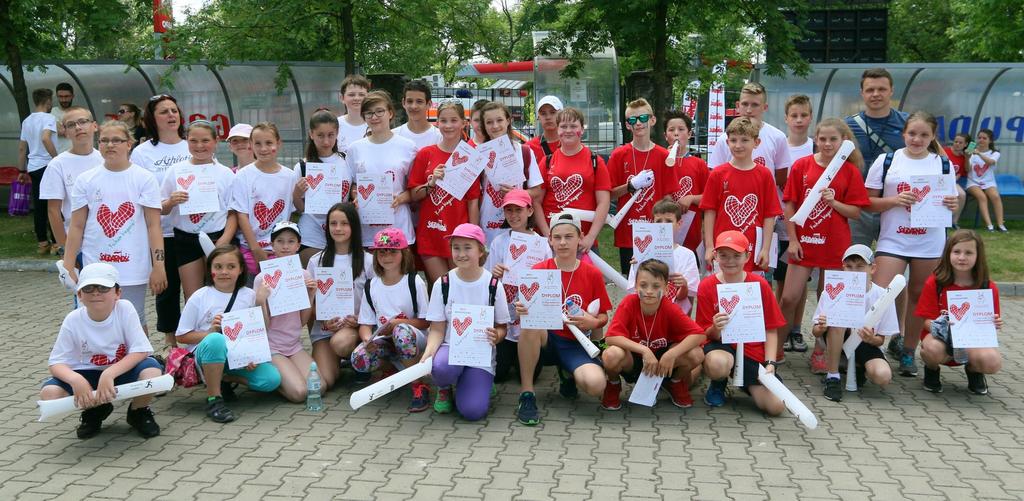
21	195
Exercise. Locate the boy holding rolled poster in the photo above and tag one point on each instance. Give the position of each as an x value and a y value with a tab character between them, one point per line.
684	276
101	345
731	251
685	181
868	358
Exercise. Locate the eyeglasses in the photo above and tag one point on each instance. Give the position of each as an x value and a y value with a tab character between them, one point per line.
639	118
89	289
82	122
379	112
113	141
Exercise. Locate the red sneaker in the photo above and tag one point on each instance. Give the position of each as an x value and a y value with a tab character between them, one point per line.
610	401
680	392
818	363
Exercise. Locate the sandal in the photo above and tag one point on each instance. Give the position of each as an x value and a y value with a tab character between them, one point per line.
219	412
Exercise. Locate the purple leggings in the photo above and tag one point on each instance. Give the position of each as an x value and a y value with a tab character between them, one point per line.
472	385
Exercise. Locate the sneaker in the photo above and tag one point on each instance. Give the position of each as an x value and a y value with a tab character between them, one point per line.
680	393
796	340
567	384
787	345
1002	229
908	366
527	410
610	400
833	389
976	383
92	420
43	248
990	228
715	396
217	411
932	382
420	397
818	363
443	401
143	422
896	345
862	376
361	378
227	390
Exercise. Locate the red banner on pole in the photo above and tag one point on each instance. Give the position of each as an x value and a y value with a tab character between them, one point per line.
162	16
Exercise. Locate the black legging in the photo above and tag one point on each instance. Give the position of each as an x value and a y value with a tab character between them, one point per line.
168	302
40	221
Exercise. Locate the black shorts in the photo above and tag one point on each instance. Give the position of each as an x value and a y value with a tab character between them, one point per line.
779	275
750	367
638	365
864	352
187	248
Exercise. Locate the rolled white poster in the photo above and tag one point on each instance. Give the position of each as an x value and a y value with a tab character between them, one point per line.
390	384
584	215
874	315
594	307
206	243
673	153
826	178
614	221
794	404
610	273
50	409
737	378
850	348
592	351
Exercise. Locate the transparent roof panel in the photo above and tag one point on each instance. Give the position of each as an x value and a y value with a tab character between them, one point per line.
109	85
813	86
1003	113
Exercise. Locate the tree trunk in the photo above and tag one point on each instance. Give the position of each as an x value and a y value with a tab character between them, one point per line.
13	53
659	71
349	34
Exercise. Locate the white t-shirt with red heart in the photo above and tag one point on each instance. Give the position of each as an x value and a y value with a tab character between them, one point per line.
394	157
60	176
115	227
888	325
392	301
208	222
897	236
158	159
492	216
358	282
462	292
981	174
207	303
264	198
313	227
84	344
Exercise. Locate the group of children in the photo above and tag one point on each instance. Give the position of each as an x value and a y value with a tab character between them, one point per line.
726	223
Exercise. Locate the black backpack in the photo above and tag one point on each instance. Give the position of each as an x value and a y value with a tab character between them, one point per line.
411	279
492	290
888	163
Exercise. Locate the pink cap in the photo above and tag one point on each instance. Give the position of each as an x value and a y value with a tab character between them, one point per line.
468	230
518	197
391	238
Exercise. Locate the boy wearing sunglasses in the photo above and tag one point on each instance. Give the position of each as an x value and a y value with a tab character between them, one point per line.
632	167
99	346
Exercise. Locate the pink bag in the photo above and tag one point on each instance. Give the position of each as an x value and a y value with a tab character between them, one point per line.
181	364
21	196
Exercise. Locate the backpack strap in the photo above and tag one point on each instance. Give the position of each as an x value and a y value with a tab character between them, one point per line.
593	162
369	298
412	294
875	138
885	167
945	165
526	165
302	167
545	146
444	289
492	291
231	302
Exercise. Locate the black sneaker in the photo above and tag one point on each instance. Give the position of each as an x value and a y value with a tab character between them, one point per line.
217	411
796	340
976	383
143	422
567	384
787	345
227	390
92	420
862	376
932	382
833	389
527	411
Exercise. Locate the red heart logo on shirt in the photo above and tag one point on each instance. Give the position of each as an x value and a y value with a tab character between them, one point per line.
528	292
195	218
458	159
267	215
366	191
980	170
232	331
821	209
111	222
325	285
959	311
740	213
645	195
517	250
271	280
497	197
685	185
729	304
834	290
566	189
314	181
490	160
642	243
439	197
900	188
461	325
102	360
185	182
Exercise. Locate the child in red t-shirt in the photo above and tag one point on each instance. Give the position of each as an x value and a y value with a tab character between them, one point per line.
546	142
650	334
740	195
963	267
575	178
632	170
825	235
686	181
440	212
731	252
958	157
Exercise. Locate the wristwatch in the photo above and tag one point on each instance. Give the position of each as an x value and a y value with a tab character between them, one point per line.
772	363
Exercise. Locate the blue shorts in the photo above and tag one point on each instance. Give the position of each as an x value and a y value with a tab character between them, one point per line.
566	353
93	375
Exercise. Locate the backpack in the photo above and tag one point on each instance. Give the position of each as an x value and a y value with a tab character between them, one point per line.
492	290
888	163
593	161
411	279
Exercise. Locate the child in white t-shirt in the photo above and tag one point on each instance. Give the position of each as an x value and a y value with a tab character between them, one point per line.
684	277
100	346
351	126
981	179
62	171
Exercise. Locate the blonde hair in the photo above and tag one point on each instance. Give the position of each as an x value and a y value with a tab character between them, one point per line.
640	103
753	88
121	126
856	158
744	127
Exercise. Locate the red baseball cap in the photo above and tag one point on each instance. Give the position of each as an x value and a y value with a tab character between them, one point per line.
468	230
732	239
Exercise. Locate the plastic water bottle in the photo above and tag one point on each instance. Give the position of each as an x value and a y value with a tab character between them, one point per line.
313	401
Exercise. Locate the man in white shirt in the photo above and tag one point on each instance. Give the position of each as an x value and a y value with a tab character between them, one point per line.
416	101
65	97
35	150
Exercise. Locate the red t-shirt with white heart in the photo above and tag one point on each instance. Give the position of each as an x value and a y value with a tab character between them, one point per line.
707	307
688	176
932	302
825	235
667	326
439	211
624	163
742	200
583	286
571	181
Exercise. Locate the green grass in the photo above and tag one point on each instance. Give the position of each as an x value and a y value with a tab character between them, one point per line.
17	240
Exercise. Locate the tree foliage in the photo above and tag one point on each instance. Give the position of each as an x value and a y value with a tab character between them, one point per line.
923	31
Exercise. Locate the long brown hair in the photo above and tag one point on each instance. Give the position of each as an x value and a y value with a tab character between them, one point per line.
493	106
844	131
229	250
929	119
944	271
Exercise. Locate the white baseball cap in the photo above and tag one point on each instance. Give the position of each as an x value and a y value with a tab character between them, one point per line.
565	218
553	101
101	274
861	250
285	225
240	130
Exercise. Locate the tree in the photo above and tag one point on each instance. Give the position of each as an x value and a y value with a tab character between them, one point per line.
988	30
918	30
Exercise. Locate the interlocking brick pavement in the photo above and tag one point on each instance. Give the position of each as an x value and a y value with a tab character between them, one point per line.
902	442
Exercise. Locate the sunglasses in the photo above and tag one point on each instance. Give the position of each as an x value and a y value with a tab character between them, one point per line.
162	96
89	289
123	111
639	118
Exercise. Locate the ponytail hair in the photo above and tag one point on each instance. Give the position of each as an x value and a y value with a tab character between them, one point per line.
322	116
929	119
856	158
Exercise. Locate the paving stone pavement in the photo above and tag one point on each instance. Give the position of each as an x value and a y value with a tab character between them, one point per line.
900	443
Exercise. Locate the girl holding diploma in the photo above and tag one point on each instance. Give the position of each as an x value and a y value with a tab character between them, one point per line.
384	152
199	331
439	210
220	226
963	267
321	148
393	297
469	283
826	233
333	340
899	243
719	359
650	333
284	331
